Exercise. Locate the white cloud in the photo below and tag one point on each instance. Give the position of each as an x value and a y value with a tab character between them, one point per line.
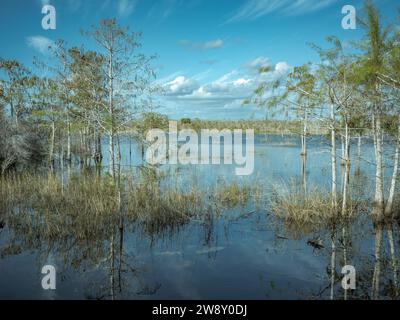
212	44
282	67
241	82
254	9
257	63
201	93
224	93
126	7
40	43
181	86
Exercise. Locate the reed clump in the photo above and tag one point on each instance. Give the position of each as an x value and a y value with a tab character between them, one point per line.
154	204
231	194
291	202
87	203
310	209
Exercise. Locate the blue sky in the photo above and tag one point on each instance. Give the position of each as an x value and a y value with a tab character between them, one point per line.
208	50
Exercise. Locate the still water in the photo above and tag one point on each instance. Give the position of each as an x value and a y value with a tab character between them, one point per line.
246	253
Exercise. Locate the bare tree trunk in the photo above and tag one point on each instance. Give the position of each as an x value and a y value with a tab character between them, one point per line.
347	144
333	263
111	113
69	140
345	184
111	153
377	267
52	142
379	198
304	134
344	236
333	160
389	204
112	266
394	259
304	176
343	145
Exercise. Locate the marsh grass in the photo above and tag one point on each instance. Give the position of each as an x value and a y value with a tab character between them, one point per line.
231	194
88	203
307	211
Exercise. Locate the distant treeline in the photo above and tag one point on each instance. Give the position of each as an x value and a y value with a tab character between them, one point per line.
259	126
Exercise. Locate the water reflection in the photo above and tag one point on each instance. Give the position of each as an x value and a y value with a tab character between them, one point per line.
166	233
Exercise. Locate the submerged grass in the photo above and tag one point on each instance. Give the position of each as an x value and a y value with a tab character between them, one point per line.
94	202
306	210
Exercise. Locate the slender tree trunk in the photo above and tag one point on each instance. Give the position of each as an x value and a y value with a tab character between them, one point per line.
111	153
111	113
343	145
347	144
394	259
344	236
377	267
69	158
112	266
333	263
304	176
304	134
52	142
379	197
99	148
118	154
333	160
389	204
345	188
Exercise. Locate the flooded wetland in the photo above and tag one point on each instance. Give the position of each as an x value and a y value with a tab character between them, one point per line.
196	232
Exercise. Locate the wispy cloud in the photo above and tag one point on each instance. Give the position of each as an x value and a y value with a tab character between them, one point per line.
212	44
40	44
126	7
254	9
257	63
163	9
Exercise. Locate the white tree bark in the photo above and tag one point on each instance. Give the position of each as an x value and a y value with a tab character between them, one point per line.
379	197
111	113
389	204
333	159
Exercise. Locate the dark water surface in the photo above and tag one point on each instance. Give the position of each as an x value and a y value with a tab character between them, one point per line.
247	253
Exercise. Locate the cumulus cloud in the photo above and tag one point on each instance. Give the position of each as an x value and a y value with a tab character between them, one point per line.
181	86
224	93
282	68
257	63
212	44
40	44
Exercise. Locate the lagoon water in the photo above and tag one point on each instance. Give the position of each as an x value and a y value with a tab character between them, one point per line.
246	253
